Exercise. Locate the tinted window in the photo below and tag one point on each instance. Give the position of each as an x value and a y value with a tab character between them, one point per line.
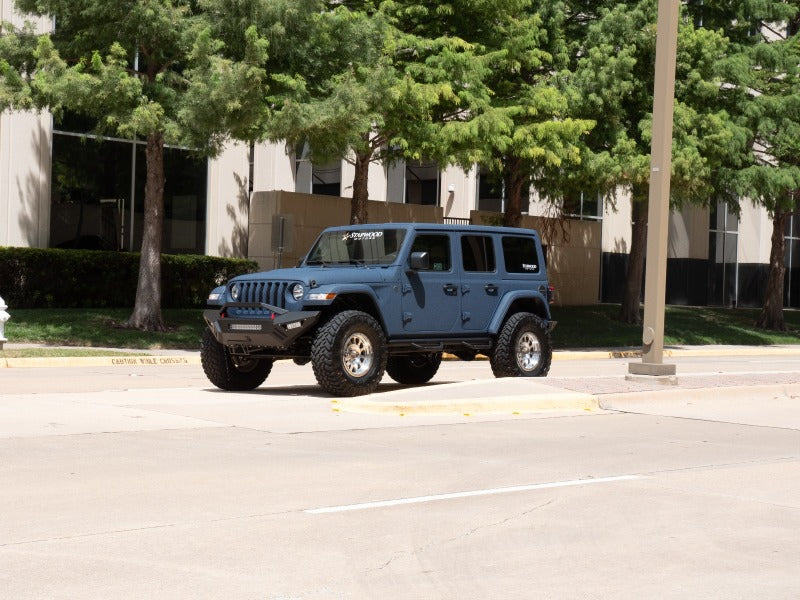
359	246
520	255
438	249
477	253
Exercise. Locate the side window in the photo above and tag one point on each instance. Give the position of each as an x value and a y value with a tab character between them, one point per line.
477	252
438	249
520	255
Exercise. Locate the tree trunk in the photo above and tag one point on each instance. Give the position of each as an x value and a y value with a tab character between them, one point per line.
516	180
358	205
147	309
771	316
632	293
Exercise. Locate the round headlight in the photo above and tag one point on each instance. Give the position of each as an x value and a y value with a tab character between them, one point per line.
297	291
235	289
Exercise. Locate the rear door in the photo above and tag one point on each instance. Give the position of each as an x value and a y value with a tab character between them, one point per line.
481	284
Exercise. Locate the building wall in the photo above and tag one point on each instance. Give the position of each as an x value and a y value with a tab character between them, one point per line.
459	202
228	202
274	167
25	141
306	215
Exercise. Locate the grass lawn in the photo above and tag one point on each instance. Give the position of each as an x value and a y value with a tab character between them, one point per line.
578	327
596	327
100	327
62	352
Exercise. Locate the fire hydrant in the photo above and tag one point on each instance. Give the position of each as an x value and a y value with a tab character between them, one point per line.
4	316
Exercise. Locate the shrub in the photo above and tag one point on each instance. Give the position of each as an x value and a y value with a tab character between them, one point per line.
55	278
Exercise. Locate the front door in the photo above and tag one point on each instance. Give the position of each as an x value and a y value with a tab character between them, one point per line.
431	297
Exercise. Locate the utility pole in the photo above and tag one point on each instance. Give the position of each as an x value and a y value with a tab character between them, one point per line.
655	286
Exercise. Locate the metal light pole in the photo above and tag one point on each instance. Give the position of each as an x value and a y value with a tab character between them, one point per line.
658	209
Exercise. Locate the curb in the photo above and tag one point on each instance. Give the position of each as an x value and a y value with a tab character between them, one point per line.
613	400
558	355
571	401
98	361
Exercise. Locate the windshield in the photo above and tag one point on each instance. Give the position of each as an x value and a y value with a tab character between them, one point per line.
357	247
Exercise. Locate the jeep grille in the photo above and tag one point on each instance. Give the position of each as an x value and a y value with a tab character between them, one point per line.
267	292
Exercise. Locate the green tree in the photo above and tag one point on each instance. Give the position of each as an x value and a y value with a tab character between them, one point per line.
141	69
613	46
525	129
382	78
771	110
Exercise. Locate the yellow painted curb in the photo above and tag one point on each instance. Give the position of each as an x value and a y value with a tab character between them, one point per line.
505	405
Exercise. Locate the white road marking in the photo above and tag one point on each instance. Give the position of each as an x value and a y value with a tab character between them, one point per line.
455	495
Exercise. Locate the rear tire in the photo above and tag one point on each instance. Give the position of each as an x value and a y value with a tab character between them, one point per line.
349	354
231	373
522	348
413	369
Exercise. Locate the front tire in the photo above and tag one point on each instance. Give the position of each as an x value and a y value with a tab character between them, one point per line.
413	369
349	354
233	374
522	348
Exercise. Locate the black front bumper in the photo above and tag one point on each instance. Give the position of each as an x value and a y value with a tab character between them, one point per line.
278	328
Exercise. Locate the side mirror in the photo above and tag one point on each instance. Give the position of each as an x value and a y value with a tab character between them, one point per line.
420	261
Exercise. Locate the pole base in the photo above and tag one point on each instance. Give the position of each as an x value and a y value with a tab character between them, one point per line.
652	372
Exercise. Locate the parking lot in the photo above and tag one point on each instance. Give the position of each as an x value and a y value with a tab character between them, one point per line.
144	481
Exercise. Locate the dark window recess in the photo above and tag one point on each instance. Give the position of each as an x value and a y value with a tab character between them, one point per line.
438	249
326	180
520	255
478	253
422	183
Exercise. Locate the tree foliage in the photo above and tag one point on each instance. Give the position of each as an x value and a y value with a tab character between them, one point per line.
613	47
139	69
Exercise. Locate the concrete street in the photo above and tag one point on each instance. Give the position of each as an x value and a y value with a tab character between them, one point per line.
143	481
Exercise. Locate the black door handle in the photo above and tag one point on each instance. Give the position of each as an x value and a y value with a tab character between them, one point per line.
450	289
490	288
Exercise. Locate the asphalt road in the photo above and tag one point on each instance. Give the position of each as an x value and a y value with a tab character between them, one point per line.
144	482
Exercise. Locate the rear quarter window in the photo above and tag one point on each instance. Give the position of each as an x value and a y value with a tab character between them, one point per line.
520	255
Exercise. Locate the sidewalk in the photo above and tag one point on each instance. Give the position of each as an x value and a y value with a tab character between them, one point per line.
586	393
594	393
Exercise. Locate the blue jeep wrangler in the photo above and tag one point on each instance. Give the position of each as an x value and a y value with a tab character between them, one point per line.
391	297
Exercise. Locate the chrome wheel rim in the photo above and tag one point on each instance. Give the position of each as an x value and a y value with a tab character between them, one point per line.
357	355
529	351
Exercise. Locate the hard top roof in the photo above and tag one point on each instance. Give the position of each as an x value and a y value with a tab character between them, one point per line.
436	227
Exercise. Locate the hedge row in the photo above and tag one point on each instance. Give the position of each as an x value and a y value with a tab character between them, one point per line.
54	278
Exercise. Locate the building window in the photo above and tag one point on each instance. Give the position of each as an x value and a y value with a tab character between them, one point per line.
491	191
97	193
723	272
326	180
422	183
584	207
792	262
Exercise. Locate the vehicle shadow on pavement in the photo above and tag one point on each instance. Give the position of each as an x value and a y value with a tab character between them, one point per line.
314	391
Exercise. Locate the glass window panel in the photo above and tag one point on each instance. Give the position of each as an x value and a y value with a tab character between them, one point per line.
438	249
477	252
90	192
519	255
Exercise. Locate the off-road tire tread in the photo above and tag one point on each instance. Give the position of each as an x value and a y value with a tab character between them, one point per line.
401	369
220	370
503	358
326	354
